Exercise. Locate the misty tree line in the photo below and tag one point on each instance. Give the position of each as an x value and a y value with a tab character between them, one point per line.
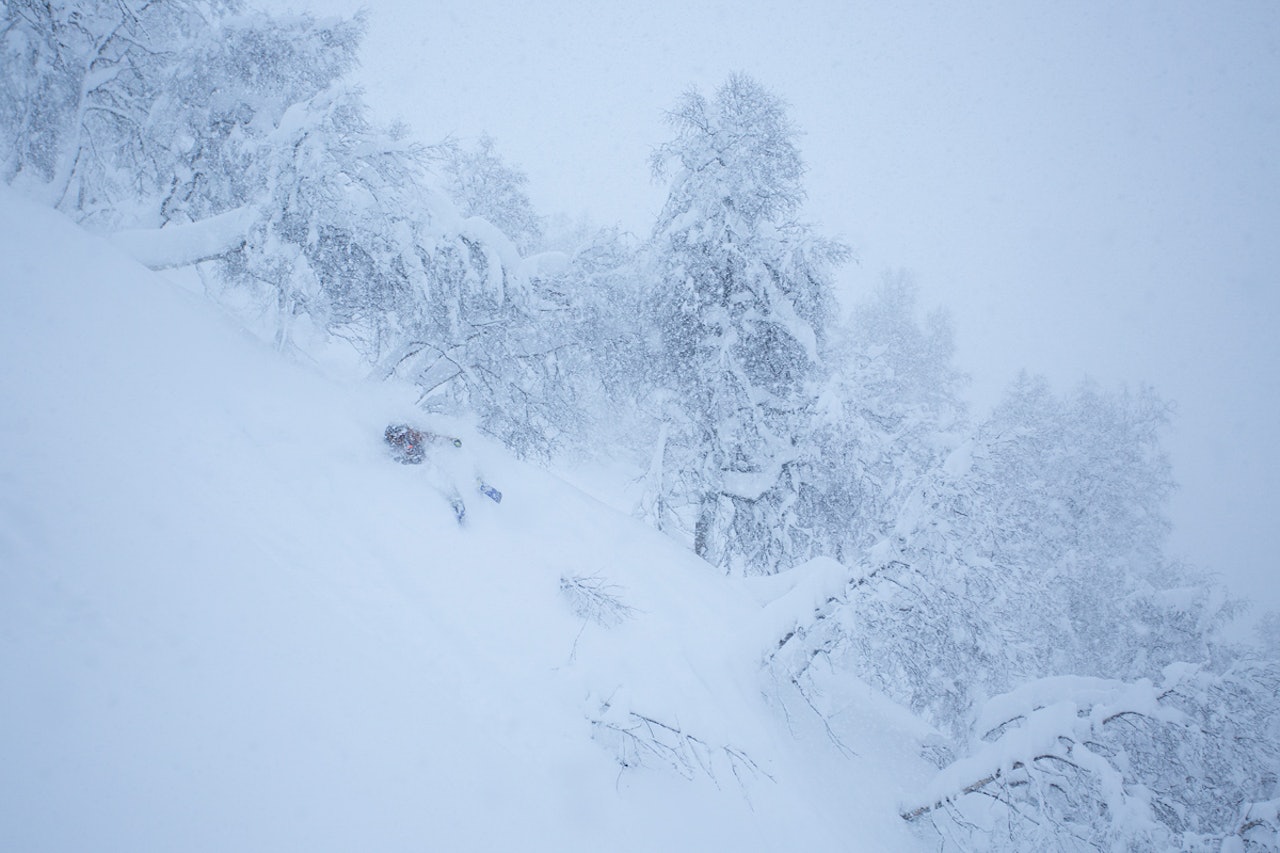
986	559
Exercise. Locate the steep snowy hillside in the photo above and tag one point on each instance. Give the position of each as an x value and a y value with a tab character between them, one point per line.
229	622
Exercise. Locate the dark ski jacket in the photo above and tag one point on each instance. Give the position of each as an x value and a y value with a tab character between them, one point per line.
409	445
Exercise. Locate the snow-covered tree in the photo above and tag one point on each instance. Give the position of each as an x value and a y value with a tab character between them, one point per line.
742	298
1033	549
205	136
1268	635
81	79
594	309
481	183
270	141
889	412
1186	762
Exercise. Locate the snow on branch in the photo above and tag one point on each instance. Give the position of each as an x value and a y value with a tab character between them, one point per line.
1051	720
801	624
1259	828
1081	763
184	245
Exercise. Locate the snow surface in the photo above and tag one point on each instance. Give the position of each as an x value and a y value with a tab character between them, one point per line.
229	622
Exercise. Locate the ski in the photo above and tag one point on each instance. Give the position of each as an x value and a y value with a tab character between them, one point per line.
459	508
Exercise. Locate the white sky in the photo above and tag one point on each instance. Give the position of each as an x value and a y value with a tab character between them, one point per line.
1090	188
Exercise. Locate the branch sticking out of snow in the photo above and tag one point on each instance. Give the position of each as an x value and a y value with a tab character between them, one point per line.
639	740
595	599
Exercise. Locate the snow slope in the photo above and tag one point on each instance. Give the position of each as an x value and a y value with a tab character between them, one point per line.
229	622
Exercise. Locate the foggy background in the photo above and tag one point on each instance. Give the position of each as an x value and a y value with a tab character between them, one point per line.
1090	189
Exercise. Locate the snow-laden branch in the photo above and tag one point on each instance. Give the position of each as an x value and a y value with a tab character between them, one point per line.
1259	825
1050	719
184	245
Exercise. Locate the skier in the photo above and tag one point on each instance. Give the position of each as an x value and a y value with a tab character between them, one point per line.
409	447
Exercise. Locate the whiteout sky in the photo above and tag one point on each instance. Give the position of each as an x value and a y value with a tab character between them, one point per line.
1091	189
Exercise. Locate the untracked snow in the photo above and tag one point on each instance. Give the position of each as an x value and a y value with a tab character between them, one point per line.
228	621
